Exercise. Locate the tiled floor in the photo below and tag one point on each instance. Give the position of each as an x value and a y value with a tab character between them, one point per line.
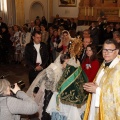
14	73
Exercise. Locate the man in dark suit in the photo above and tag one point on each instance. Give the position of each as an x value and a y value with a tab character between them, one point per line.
86	41
32	27
36	55
73	24
94	33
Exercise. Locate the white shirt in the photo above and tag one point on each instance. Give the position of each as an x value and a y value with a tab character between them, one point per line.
37	47
32	29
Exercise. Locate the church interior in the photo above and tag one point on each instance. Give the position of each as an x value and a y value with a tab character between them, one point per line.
19	17
83	12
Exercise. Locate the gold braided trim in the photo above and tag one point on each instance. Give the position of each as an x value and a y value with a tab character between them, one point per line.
101	111
87	110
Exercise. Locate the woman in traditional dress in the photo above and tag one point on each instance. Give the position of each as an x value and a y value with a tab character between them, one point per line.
44	85
68	101
24	39
65	40
48	78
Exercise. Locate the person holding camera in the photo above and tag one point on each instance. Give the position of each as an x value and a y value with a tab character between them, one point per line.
12	106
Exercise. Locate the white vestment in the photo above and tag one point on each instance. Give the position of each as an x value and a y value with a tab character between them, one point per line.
96	96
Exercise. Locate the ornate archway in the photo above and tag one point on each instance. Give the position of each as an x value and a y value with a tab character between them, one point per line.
36	9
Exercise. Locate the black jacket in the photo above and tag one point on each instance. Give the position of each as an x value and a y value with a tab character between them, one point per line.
31	55
73	26
94	34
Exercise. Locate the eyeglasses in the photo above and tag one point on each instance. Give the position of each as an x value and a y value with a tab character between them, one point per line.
108	50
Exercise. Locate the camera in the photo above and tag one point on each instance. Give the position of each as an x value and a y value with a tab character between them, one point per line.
35	90
20	83
4	76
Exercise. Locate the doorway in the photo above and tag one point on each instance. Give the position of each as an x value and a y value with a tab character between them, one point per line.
36	9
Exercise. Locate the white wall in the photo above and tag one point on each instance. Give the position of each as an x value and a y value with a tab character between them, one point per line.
28	4
65	11
69	12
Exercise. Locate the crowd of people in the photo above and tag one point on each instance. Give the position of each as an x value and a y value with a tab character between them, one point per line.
67	80
14	38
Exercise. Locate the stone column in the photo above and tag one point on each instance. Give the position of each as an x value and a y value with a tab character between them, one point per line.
20	17
11	12
4	10
50	11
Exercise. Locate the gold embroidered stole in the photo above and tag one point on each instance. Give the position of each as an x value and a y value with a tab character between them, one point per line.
107	78
90	97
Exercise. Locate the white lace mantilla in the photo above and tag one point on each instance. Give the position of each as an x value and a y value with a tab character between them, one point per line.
47	79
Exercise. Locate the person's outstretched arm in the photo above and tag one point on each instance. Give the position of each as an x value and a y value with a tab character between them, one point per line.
22	104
